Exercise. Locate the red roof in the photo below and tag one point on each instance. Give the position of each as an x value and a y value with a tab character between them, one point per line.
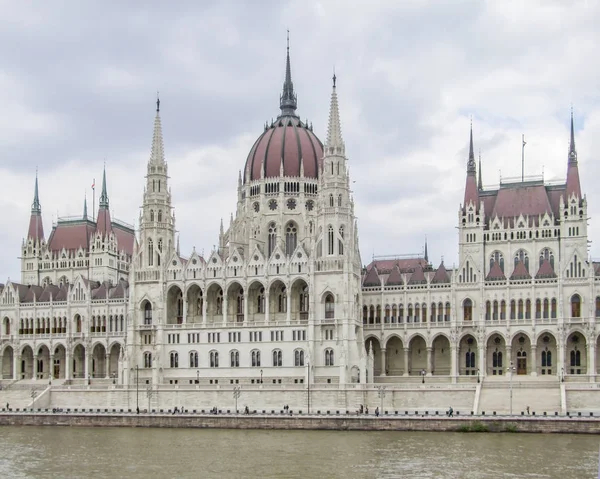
573	186
394	279
103	224
526	200
441	275
36	227
496	273
546	270
288	140
371	278
404	264
71	235
418	277
471	191
520	272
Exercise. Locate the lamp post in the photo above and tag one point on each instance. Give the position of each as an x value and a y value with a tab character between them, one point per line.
308	388
478	380
381	394
510	370
89	379
423	376
237	391
137	389
261	374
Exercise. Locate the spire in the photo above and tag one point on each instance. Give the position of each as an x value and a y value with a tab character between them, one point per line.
157	154
287	101
334	129
36	208
480	182
572	151
426	255
85	207
471	162
104	195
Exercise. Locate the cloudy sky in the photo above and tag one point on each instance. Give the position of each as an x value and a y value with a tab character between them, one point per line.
79	81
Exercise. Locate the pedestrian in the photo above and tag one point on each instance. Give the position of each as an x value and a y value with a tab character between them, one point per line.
7	407
528	410
450	412
367	410
377	411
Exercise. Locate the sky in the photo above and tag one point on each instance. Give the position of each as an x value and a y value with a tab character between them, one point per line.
79	82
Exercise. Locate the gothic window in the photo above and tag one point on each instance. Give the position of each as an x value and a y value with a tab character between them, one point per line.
520	309
470	359
260	301
468	310
160	216
160	245
151	215
513	309
329	359
488	310
214	359
277	358
147	360
193	359
299	357
340	200
330	240
291	237
150	253
234	357
521	256
272	238
304	299
495	311
497	257
546	308
546	254
341	241
219	310
538	308
598	306
576	306
255	358
502	309
331	197
553	308
546	359
148	313
282	301
240	302
174	360
329	307
153	186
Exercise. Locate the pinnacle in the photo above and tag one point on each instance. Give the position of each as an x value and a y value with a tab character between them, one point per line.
334	129
157	155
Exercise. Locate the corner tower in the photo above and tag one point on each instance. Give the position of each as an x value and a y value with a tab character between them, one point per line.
34	243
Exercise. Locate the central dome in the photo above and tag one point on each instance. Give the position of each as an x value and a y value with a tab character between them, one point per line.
287	142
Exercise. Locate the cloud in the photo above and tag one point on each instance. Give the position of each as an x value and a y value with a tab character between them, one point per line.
79	88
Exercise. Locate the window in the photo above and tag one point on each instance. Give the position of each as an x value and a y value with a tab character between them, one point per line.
277	358
260	301
547	255
160	216
330	240
576	306
329	307
174	360
234	359
151	215
329	357
272	240
341	241
147	360
193	359
521	256
255	356
497	257
214	359
299	357
291	237
150	253
468	310
470	359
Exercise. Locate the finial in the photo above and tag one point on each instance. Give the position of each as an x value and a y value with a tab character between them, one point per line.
480	182
288	40
36	207
572	151
471	163
287	101
334	77
157	102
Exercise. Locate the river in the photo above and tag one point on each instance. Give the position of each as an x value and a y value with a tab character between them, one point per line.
123	452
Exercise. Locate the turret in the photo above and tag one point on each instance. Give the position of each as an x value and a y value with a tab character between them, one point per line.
471	192
103	223
36	227
573	185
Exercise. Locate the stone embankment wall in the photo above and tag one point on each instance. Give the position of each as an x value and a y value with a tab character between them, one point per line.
583	425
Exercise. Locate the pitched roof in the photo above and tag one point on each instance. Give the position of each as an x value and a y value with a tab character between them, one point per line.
71	235
404	264
395	278
526	200
372	278
496	273
546	270
418	277
441	275
520	272
36	227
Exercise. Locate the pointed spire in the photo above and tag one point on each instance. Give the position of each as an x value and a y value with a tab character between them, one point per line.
104	195
85	214
157	154
288	99
471	162
426	255
36	208
572	151
178	250
334	129
480	182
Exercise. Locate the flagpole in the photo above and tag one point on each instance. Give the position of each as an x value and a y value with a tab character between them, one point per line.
523	160
94	198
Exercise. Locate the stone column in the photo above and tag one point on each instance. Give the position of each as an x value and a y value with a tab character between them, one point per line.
267	306
51	367
204	308
429	361
406	361
509	360
224	307
86	363
35	365
383	362
16	366
561	366
246	296
107	362
453	362
482	368
534	359
68	363
1	370
185	310
591	360
288	292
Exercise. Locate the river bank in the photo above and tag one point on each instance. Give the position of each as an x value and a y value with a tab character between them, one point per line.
527	424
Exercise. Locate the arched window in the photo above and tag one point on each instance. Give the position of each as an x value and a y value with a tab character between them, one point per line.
341	241
174	360
488	310
339	199
330	240
304	304
538	308
214	359
521	256
160	216
468	310
470	359
497	257
576	306
291	238
447	313
331	196
546	312
528	309
546	358
282	301
553	308
147	313
277	358
598	306
272	240
78	323
329	307
329	360
147	360
234	358
255	355
260	301
6	326
299	357
240	302
219	303
193	359
150	253
547	254
151	215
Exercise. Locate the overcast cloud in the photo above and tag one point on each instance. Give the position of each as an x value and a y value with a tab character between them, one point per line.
79	81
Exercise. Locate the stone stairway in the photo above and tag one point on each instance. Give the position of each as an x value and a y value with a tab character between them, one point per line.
539	396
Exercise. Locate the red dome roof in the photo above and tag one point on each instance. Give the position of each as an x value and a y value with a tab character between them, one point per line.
288	140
